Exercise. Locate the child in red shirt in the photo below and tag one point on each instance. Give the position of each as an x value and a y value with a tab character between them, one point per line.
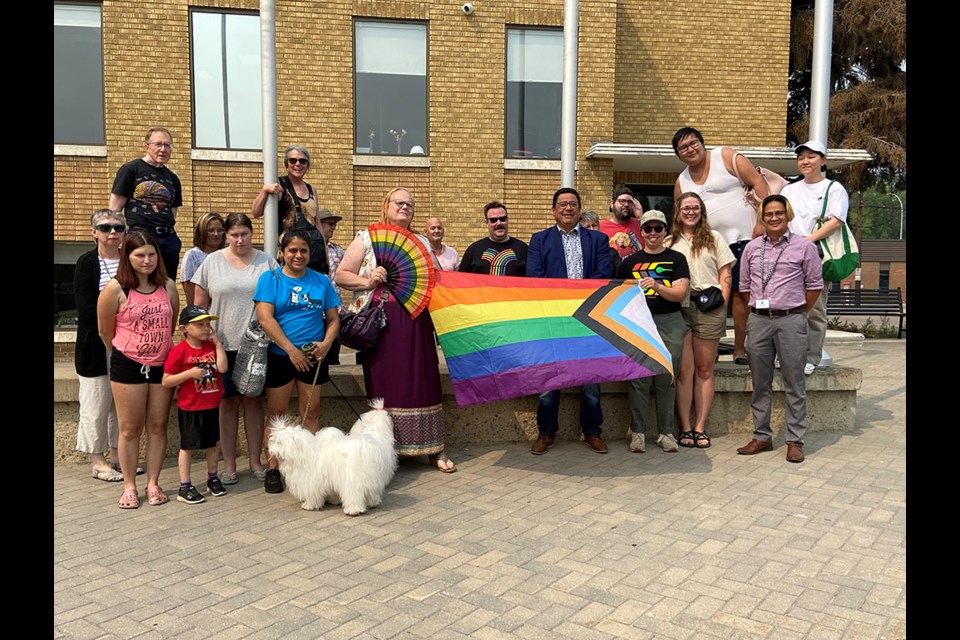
195	366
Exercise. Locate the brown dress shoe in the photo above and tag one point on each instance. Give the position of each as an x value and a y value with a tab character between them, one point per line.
755	446
596	443
794	452
541	444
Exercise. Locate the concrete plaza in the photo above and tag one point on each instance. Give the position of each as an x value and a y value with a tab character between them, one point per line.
696	544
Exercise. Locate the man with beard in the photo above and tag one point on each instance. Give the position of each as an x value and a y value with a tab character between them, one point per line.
623	227
498	254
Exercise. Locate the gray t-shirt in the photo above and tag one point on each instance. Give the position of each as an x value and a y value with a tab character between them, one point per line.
231	293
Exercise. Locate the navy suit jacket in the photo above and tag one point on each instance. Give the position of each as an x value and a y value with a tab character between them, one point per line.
545	258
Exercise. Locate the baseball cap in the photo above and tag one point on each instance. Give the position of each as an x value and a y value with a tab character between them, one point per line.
651	216
194	313
813	145
326	214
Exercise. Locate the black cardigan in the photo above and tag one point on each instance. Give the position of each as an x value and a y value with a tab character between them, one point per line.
90	356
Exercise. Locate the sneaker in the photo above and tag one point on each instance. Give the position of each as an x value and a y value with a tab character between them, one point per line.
667	442
215	487
272	481
190	495
809	368
638	443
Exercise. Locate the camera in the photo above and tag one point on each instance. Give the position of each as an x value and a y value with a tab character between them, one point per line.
467	8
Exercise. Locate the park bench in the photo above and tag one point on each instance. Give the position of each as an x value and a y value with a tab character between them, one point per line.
867	302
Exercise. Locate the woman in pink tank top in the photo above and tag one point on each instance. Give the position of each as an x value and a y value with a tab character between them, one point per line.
135	313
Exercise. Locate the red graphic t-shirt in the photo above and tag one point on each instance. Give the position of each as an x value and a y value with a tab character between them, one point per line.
196	395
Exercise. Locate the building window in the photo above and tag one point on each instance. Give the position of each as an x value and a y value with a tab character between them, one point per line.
391	88
534	89
226	80
883	279
77	75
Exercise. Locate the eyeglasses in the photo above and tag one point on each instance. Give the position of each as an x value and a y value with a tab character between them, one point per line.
652	228
686	147
403	203
107	228
161	145
774	214
568	205
694	209
497	219
297	161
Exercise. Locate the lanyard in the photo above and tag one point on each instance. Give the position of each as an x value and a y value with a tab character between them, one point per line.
765	277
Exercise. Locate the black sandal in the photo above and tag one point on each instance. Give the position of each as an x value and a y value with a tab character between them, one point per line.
688	438
699	438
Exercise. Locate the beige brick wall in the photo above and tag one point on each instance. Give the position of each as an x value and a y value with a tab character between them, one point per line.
717	65
645	69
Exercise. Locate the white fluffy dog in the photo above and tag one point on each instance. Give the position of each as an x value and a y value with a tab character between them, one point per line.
332	467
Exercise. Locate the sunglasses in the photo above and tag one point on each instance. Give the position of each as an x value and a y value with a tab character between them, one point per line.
652	228
107	228
497	219
297	161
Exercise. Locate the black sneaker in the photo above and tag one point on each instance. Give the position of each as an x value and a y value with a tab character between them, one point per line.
272	481
215	487
190	495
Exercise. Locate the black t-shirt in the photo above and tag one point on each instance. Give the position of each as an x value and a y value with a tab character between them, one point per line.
495	258
666	266
151	192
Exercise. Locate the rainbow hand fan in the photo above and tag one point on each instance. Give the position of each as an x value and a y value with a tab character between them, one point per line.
410	271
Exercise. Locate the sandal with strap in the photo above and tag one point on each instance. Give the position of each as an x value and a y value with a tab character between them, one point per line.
688	440
702	440
129	499
156	496
442	463
107	475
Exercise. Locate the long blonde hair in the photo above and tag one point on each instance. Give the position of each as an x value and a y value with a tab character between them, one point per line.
702	235
386	204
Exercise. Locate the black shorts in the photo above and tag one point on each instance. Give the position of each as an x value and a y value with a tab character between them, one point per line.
230	389
737	250
199	429
280	371
127	371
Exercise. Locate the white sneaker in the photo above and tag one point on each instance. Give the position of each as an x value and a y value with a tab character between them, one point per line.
638	443
667	442
809	368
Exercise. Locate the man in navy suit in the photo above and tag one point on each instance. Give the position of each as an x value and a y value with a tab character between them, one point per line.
568	250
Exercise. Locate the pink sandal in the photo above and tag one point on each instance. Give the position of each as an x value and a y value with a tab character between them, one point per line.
129	499
156	496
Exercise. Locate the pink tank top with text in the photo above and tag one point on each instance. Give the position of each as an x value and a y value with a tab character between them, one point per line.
145	328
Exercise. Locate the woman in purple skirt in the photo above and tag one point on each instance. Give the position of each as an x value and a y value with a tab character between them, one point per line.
403	368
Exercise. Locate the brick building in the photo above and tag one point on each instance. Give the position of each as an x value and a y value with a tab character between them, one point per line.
477	95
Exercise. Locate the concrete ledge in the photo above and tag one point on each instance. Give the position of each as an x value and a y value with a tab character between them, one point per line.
831	401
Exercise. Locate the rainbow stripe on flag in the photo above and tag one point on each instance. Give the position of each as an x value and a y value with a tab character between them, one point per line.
506	337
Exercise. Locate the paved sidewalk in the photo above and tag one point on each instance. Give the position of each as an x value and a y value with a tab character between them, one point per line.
697	544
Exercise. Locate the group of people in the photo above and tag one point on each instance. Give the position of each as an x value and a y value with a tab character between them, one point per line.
718	251
129	308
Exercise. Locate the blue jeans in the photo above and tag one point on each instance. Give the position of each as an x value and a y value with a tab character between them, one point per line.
591	414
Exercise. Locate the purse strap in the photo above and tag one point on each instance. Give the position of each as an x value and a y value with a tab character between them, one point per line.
826	197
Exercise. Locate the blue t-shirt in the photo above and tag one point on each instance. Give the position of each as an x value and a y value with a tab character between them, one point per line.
298	304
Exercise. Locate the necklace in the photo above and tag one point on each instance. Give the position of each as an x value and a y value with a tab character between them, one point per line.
106	269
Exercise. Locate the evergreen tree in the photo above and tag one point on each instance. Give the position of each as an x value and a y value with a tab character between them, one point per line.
868	101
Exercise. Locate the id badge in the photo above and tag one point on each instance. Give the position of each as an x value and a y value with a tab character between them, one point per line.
763	304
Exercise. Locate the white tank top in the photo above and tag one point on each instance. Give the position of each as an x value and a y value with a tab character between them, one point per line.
723	195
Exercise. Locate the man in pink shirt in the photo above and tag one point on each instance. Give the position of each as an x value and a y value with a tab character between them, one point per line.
780	280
